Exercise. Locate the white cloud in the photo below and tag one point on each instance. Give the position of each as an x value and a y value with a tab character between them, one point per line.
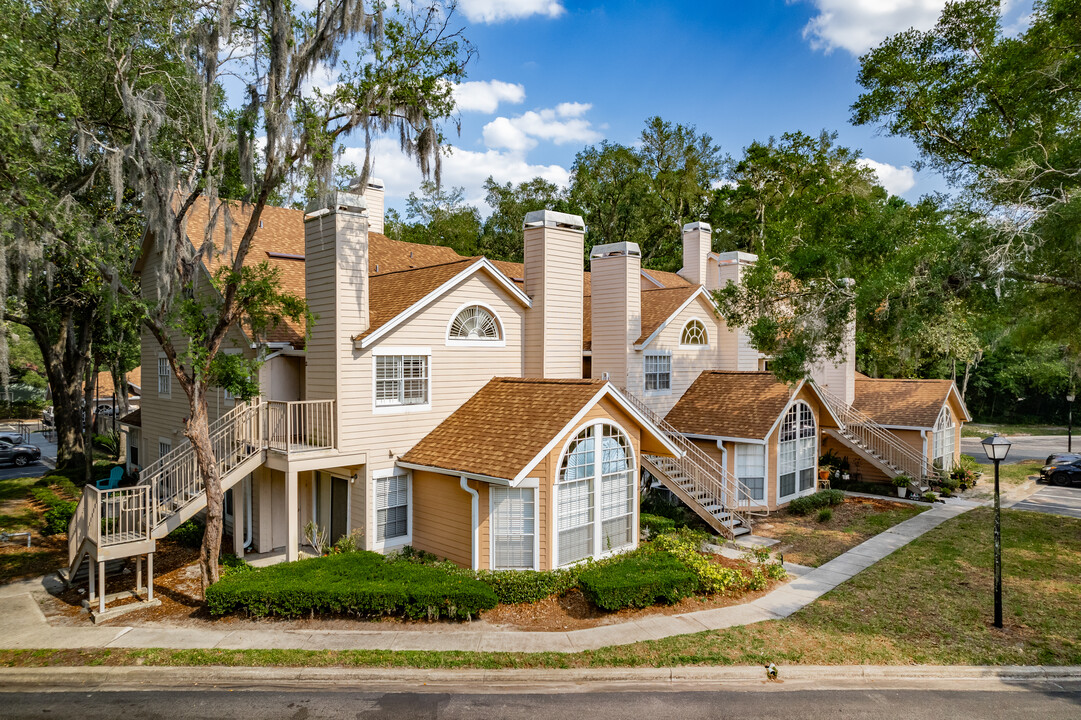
896	180
493	11
858	25
560	125
485	95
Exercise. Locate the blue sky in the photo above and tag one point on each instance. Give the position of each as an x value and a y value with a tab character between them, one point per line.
553	76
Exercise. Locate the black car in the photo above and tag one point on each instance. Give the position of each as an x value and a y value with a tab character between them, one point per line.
20	454
1062	472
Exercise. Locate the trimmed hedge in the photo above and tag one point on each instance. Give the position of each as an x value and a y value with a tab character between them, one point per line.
638	580
528	586
810	503
655	524
358	583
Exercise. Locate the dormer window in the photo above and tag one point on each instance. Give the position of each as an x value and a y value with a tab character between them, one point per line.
474	324
694	333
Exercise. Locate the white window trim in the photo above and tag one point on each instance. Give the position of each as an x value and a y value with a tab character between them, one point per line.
814	476
597	533
164	441
135	439
458	342
657	353
765	468
705	331
398	542
402	409
168	394
527	484
937	441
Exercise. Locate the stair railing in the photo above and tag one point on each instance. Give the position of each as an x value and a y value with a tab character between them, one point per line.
85	524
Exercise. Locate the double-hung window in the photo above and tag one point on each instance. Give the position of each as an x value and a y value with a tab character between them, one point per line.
751	469
796	451
513	524
401	380
392	507
165	376
658	372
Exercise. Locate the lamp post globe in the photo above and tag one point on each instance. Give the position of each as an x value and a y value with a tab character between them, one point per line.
996	448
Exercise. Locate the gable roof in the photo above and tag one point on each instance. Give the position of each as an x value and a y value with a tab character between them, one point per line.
735	404
501	432
665	279
905	402
659	306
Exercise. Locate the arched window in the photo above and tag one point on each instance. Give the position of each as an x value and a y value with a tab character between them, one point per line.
694	333
796	451
589	479
474	323
942	440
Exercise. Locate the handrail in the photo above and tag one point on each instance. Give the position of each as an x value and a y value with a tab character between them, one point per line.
301	425
85	523
707	476
876	438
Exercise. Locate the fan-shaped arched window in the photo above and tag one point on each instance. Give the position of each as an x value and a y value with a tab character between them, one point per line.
796	450
943	440
694	333
475	323
589	480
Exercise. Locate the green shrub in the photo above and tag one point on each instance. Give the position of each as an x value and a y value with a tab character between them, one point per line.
821	499
825	515
45	495
108	443
190	534
930	497
57	517
358	583
685	546
655	524
638	580
349	543
528	586
902	480
69	487
233	565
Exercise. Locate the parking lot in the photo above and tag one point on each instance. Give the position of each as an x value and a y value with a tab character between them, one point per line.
1054	501
48	460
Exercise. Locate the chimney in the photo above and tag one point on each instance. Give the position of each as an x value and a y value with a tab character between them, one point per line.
336	281
373	196
615	308
730	268
839	376
554	246
697	244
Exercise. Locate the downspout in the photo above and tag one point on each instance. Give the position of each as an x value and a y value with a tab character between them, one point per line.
474	536
247	513
925	464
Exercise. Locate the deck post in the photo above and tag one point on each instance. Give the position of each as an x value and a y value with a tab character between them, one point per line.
90	575
292	516
138	574
101	584
149	577
239	520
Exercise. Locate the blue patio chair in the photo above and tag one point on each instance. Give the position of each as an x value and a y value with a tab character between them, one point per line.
113	481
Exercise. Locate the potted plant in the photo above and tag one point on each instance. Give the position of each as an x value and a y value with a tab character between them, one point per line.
901	482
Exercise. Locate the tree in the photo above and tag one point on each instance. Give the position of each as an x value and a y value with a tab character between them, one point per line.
177	130
441	217
502	235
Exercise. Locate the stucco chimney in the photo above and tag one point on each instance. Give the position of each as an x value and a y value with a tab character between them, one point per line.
554	249
697	243
839	376
615	309
336	278
730	268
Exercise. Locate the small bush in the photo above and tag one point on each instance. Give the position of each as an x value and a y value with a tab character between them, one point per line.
190	534
825	515
528	586
712	578
358	583
58	517
638	580
109	443
349	543
233	565
655	524
45	495
930	497
821	499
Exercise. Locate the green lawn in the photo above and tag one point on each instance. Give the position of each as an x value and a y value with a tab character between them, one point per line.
981	430
930	602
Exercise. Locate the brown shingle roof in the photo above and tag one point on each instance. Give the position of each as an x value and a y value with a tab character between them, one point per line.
103	387
498	431
658	305
730	403
133	418
387	255
907	403
667	279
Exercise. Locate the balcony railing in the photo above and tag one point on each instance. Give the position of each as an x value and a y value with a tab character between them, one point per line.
301	426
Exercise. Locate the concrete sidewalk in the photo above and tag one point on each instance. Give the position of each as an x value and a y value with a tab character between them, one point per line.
24	626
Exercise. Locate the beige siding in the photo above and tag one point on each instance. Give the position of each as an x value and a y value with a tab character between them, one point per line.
442	517
616	309
839	377
553	280
697	243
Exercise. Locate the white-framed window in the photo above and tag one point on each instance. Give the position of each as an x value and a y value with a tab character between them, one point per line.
694	334
475	324
658	372
751	468
595	497
943	440
797	452
513	528
402	380
165	446
165	376
133	448
392	506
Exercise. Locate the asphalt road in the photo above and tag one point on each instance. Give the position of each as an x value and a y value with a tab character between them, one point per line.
1024	447
914	704
1054	501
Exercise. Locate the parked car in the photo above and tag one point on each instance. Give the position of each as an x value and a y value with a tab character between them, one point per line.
11	438
19	454
47	417
1062	473
1062	458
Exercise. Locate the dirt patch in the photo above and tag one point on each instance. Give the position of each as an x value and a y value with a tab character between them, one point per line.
806	541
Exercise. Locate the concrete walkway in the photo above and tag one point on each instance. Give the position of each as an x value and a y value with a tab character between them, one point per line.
23	625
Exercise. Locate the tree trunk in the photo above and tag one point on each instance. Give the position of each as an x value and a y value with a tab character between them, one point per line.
90	414
64	357
197	430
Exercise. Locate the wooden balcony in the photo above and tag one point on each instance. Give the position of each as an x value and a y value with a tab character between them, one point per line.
301	427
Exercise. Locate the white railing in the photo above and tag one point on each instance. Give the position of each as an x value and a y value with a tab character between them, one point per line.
879	441
711	484
85	524
301	426
125	515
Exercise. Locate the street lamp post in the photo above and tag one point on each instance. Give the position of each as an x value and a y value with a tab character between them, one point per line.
996	448
1069	423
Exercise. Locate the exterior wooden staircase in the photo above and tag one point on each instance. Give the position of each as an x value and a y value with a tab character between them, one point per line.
875	443
715	494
